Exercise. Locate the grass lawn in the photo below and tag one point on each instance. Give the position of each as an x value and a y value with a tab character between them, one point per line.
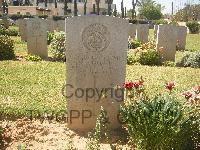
37	85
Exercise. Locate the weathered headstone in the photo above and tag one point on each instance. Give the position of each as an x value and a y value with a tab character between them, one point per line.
23	29
155	31
132	30
37	37
166	42
96	60
142	33
181	37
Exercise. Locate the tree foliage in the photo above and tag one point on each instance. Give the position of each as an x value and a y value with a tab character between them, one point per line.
150	10
188	13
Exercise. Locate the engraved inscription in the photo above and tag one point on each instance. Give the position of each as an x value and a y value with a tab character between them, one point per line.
96	37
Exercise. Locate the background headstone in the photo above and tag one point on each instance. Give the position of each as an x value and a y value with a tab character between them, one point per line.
37	37
96	51
181	37
142	33
132	30
166	42
23	29
155	31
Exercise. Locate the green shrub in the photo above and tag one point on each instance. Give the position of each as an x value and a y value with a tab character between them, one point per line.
50	36
2	30
27	16
12	32
56	18
132	44
6	48
188	138
9	32
134	21
193	27
43	16
153	124
149	57
190	60
161	21
33	58
174	23
58	46
15	16
132	57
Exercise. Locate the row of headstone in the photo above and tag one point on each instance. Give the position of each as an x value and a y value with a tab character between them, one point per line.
50	23
34	32
139	32
181	36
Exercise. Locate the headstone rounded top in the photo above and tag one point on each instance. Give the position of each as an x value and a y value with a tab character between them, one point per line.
96	37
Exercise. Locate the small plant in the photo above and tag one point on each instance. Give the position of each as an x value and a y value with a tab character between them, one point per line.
33	58
50	36
132	44
164	122
43	16
12	32
27	16
15	16
131	58
56	18
58	46
190	60
174	23
149	57
21	147
146	54
6	48
169	64
153	124
193	27
9	32
99	132
161	21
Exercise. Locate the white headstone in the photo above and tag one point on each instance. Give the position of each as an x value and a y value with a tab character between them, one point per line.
37	38
142	33
181	37
166	42
132	30
96	51
23	29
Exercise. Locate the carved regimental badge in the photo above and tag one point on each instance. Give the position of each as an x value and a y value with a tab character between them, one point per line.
96	37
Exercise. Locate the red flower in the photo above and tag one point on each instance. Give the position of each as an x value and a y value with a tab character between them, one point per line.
197	89
128	85
137	84
170	85
187	94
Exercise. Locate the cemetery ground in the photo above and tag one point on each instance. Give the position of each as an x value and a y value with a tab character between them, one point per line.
37	86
